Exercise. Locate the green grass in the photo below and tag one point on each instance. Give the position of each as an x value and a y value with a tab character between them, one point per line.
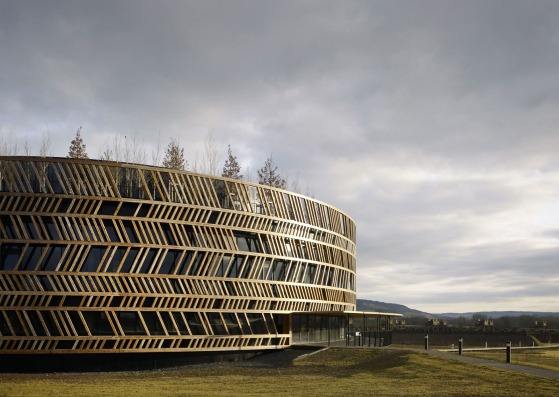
334	372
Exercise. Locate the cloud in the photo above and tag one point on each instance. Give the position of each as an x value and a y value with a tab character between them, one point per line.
433	124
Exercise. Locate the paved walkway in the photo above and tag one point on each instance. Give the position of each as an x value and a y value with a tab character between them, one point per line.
490	363
282	358
545	373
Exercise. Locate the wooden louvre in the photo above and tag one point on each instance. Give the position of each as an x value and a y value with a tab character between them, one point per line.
110	257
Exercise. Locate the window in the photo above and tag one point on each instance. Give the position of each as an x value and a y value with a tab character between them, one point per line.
278	271
128	261
9	255
108	207
222	266
110	229
130	323
195	323
232	324
93	259
217	324
130	231
247	242
169	262
152	323
257	323
265	269
31	257
7	223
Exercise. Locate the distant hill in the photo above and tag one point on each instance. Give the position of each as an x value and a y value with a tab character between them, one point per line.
376	306
499	314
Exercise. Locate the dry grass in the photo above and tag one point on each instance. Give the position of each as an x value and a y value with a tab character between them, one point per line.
347	372
538	358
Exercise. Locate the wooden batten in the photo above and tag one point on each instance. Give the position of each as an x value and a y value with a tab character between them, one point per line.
101	257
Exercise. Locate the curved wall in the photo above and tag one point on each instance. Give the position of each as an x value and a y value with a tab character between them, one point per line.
104	257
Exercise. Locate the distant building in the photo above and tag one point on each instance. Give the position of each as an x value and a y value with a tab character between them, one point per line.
481	322
434	322
121	260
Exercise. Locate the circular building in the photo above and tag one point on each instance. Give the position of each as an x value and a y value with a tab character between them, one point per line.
118	259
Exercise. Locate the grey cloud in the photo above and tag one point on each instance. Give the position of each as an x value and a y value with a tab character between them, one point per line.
433	124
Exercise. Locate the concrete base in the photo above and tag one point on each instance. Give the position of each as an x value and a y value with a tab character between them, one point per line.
105	362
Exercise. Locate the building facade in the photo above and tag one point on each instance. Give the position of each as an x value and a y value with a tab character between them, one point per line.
106	257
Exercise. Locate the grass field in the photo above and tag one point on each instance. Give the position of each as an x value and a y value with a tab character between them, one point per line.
538	358
340	372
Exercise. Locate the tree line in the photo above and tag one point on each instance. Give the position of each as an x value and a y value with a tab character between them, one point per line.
131	151
174	159
499	323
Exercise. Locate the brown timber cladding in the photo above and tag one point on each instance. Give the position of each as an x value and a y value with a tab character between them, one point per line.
103	257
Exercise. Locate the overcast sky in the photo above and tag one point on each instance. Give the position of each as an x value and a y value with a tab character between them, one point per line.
433	124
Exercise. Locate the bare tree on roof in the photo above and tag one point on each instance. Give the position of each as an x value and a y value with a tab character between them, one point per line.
8	145
45	149
210	161
156	152
124	150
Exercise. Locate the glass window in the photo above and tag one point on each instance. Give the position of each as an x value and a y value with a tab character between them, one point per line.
169	262
9	255
232	324
222	266
49	323
195	323
168	322
244	324
77	323
247	242
130	323
217	324
31	257
257	323
152	323
128	261
130	231
183	329
265	269
97	323
109	227
279	271
93	259
108	207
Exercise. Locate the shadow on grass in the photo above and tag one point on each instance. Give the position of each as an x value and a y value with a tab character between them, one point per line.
344	362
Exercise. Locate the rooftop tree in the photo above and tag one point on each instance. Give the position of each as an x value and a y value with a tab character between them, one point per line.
77	147
231	168
174	156
269	175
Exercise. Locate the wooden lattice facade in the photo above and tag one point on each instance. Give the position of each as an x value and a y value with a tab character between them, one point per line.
104	257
